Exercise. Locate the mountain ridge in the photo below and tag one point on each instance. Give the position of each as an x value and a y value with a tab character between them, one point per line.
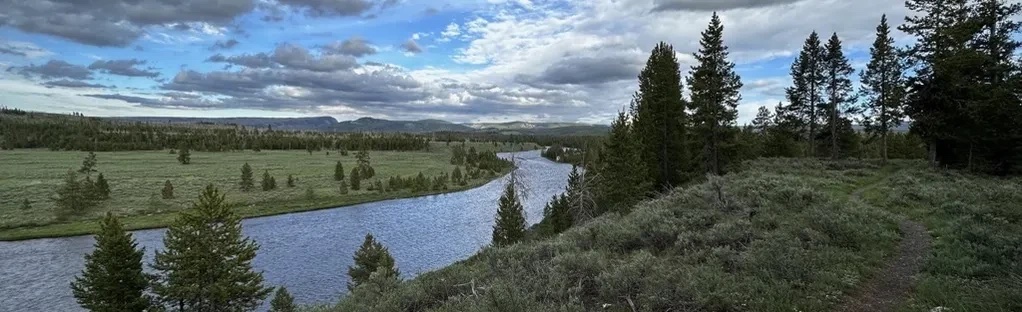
370	124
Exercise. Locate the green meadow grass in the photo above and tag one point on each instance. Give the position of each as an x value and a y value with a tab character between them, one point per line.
136	178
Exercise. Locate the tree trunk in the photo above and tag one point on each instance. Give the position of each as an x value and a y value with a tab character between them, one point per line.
883	146
933	152
833	132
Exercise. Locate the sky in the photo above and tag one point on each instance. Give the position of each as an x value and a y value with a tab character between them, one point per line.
456	60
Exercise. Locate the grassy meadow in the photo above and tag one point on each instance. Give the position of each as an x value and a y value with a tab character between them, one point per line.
137	177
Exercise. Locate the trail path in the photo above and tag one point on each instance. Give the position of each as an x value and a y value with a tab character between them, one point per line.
892	285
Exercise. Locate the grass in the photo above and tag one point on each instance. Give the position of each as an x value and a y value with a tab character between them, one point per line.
781	235
976	224
136	178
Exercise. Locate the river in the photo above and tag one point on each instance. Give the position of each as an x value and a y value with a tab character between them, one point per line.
309	252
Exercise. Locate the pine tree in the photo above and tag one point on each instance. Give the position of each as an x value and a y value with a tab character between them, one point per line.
338	171
343	188
26	205
838	85
622	181
184	156
995	143
804	96
371	257
290	181
113	279
207	263
101	187
356	179
456	176
88	164
510	224
246	178
366	170
883	86
73	196
763	121
168	190
267	182
282	301
659	118
715	95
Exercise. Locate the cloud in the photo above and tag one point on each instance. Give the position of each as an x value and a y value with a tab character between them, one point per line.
295	56
714	5
591	70
23	49
452	31
410	46
125	68
354	46
56	69
114	22
73	84
321	8
224	45
258	60
170	101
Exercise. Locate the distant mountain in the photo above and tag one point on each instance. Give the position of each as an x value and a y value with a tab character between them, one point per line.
368	124
296	123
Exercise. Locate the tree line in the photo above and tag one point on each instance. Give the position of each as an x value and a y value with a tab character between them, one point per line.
64	132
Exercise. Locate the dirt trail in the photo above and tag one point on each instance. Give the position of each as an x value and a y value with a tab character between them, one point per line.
888	288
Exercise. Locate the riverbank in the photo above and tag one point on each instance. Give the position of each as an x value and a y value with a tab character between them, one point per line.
136	179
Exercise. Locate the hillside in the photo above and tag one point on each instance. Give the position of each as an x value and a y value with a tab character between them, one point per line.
782	235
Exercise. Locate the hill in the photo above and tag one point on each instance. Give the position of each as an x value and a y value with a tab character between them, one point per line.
298	123
367	124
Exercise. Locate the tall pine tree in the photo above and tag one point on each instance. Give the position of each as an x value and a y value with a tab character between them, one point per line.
621	175
510	224
660	119
883	86
715	95
804	96
837	84
113	279
282	301
207	263
338	171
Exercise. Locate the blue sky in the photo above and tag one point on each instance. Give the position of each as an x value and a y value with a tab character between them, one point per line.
458	60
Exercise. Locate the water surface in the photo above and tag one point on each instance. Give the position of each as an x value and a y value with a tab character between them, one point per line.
309	252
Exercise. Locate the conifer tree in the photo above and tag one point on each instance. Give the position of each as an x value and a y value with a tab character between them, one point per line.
659	118
365	169
184	156
338	171
883	86
510	224
343	188
456	176
26	205
88	164
622	180
113	279
168	190
763	121
715	95
267	182
804	96
207	261
282	301
73	196
371	257
290	181
838	85
101	187
356	179
246	178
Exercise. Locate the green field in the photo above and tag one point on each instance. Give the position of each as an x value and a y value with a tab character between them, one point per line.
136	178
